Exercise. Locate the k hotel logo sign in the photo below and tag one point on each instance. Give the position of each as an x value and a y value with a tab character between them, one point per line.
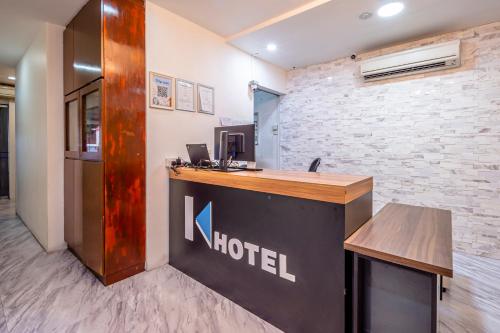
237	249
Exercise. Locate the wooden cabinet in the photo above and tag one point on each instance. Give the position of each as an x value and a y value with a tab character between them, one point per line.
105	116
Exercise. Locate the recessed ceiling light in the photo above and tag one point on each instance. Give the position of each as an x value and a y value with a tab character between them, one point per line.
12	78
390	9
271	47
365	15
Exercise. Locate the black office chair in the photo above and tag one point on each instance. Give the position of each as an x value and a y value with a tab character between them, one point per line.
314	165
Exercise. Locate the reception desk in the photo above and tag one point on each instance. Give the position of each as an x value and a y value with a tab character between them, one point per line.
271	241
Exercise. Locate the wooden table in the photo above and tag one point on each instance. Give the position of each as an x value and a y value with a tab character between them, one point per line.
396	257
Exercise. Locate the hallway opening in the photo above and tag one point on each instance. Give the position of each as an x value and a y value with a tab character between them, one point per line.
266	119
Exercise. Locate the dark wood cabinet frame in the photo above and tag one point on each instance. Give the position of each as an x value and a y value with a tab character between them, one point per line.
67	100
84	155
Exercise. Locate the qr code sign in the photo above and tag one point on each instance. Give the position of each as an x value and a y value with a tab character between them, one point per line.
162	91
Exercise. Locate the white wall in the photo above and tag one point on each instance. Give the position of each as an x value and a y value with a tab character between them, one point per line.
429	139
179	48
55	137
12	150
39	138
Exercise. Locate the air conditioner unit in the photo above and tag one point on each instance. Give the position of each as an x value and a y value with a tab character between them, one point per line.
419	60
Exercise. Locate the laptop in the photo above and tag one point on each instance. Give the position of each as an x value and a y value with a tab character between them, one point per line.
198	154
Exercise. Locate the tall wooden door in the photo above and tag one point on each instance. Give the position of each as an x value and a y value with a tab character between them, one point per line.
4	150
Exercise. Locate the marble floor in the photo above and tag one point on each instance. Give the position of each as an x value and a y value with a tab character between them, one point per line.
42	292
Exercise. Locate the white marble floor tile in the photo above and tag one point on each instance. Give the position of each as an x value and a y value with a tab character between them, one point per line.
177	303
110	318
54	292
3	321
58	298
473	301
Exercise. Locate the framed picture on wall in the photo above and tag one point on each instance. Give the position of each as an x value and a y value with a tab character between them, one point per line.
185	95
161	91
206	102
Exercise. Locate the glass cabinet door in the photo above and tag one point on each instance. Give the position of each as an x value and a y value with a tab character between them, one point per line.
91	122
72	118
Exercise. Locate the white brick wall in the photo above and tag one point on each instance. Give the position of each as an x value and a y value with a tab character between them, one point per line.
430	140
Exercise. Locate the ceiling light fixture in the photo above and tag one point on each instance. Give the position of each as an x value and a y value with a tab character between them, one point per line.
12	78
271	47
390	9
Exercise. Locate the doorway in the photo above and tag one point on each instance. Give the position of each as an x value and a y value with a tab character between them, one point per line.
4	150
266	119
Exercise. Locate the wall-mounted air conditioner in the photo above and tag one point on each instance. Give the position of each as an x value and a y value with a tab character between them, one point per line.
419	60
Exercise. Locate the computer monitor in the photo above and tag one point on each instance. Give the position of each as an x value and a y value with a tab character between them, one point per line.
240	142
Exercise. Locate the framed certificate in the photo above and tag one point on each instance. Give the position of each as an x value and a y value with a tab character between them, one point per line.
185	95
206	99
161	91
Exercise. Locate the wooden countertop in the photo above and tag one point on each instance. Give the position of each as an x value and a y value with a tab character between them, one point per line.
411	236
326	187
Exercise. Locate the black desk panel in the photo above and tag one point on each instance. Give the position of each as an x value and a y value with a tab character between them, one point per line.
310	234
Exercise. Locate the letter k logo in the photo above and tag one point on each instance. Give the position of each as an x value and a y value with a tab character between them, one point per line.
203	221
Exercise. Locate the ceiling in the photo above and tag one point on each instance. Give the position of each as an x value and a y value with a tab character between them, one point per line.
334	30
20	20
227	17
327	30
305	31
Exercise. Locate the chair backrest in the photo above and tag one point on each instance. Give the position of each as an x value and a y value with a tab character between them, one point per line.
314	165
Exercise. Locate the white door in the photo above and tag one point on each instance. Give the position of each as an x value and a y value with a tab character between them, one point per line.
266	116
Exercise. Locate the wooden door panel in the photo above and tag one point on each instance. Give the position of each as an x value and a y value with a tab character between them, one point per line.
78	226
69	202
4	151
4	174
124	134
93	214
87	41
